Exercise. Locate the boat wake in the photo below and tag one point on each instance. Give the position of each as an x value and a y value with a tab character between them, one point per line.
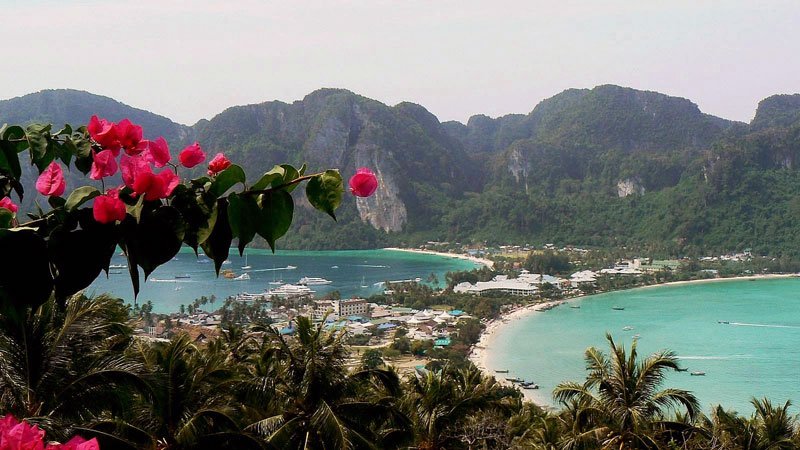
376	266
762	325
715	357
274	268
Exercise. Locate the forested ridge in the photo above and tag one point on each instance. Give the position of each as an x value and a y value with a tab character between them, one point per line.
608	166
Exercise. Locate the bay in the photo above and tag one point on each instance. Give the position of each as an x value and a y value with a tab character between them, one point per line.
348	270
755	354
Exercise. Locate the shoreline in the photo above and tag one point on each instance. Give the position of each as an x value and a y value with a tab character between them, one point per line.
482	261
479	354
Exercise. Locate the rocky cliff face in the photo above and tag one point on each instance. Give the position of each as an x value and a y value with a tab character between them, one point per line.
336	128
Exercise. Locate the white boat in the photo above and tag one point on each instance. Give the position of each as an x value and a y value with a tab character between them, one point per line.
334	267
246	266
242	277
313	281
627	328
698	374
118	266
363	283
226	262
291	267
290	290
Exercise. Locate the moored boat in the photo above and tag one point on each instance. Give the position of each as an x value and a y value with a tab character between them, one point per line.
313	281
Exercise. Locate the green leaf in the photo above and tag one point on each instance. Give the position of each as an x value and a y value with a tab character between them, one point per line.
136	210
80	196
243	217
266	180
325	191
12	132
25	278
277	209
56	202
67	130
9	159
6	217
279	175
226	180
218	244
155	239
37	135
198	215
80	255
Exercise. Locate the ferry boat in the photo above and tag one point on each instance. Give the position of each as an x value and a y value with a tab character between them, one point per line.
248	297
313	281
290	290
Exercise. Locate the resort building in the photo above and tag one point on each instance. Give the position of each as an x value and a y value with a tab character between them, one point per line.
526	284
351	307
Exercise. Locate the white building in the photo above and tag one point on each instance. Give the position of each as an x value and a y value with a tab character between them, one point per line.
351	307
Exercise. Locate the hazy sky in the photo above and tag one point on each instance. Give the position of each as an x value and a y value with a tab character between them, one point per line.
189	60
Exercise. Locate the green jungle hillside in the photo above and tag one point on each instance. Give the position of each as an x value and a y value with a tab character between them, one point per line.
608	166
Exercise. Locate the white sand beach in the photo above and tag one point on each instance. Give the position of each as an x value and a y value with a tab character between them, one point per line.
486	262
481	350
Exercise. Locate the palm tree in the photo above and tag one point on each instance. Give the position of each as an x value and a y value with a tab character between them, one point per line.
769	428
191	405
439	400
61	367
621	401
324	406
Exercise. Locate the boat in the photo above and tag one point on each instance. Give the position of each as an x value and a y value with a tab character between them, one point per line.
290	290
246	266
363	283
115	272
248	297
531	386
334	267
242	277
228	273
291	267
313	281
515	380
186	275
627	328
575	306
618	308
723	321
501	371
637	336
682	370
698	374
226	262
118	266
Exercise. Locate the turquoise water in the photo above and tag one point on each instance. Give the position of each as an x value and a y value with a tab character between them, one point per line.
756	354
348	270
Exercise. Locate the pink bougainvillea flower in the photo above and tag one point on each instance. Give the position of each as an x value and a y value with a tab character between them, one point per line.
156	152
8	204
8	422
218	164
22	436
76	443
108	207
363	183
51	181
104	133
155	186
128	134
192	156
132	167
103	165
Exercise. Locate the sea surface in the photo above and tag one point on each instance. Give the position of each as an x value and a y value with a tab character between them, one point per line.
354	273
756	354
